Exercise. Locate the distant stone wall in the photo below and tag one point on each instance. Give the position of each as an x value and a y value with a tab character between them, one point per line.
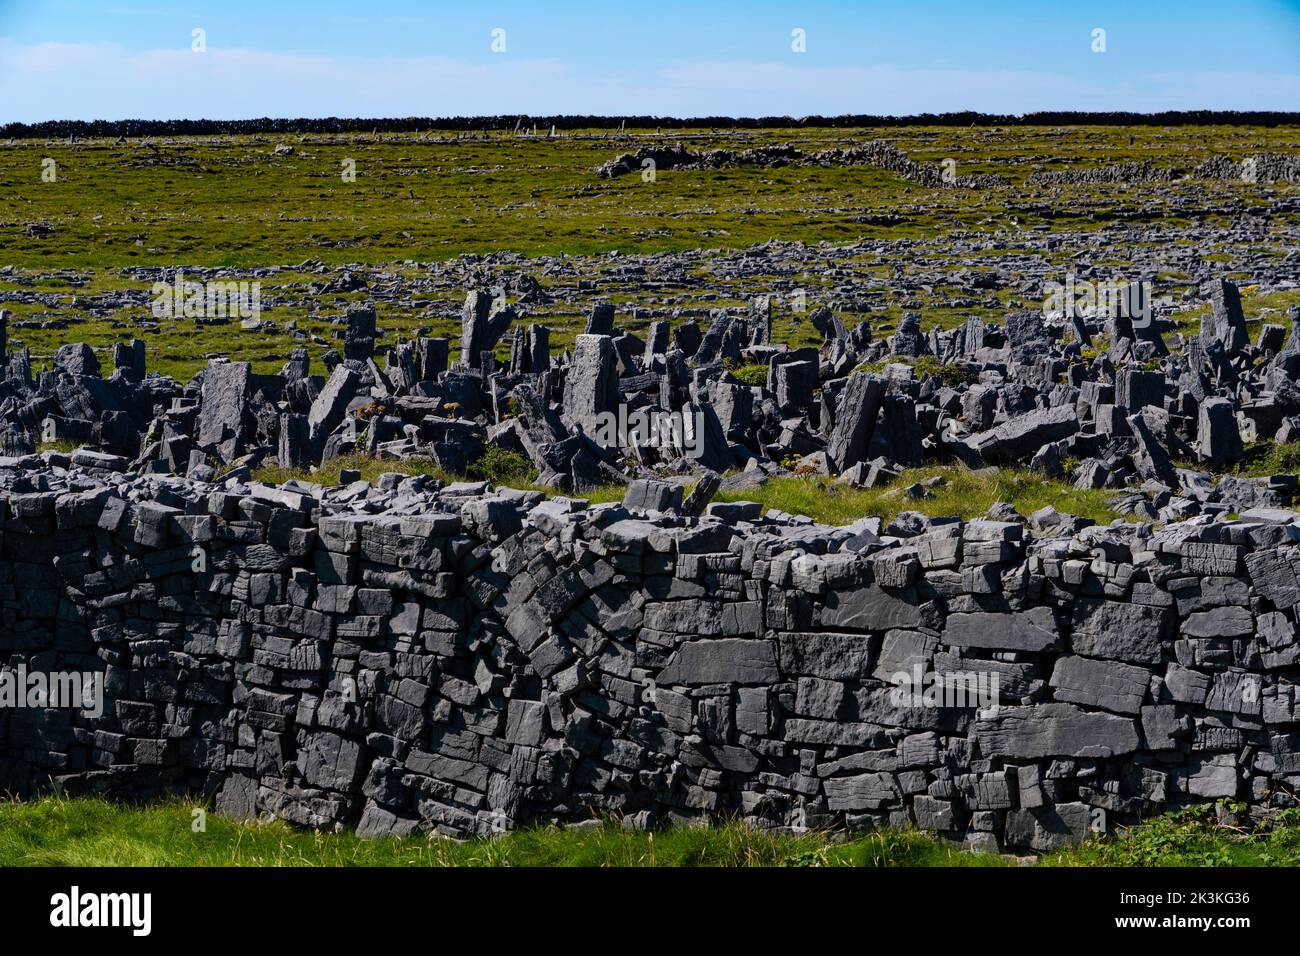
419	124
403	658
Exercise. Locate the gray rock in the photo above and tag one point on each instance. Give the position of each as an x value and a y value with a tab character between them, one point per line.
855	420
725	660
1055	730
1033	630
591	388
1125	632
1109	685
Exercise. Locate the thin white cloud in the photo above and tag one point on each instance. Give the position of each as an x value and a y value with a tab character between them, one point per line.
890	89
107	81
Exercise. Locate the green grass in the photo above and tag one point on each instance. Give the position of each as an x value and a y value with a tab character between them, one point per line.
370	467
229	201
964	493
753	375
1192	837
1269	458
53	831
495	465
89	831
502	467
925	367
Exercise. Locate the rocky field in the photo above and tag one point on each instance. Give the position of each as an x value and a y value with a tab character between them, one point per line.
455	481
791	287
426	215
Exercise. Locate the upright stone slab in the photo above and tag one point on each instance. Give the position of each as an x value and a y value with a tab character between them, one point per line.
481	327
539	349
658	338
432	358
298	367
1226	323
591	386
359	335
223	408
76	358
1137	388
331	405
1218	439
909	341
600	320
295	442
687	339
721	343
855	419
795	382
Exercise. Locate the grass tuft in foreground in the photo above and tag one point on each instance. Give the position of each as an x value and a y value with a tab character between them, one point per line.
1195	836
86	831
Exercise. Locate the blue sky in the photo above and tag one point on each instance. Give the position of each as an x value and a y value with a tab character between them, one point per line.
65	59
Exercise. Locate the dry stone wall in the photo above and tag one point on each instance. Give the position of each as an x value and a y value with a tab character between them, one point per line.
60	129
406	657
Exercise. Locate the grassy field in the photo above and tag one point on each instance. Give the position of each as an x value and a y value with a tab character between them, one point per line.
411	231
950	490
958	491
233	201
54	831
119	211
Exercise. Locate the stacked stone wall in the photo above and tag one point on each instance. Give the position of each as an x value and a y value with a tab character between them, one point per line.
409	658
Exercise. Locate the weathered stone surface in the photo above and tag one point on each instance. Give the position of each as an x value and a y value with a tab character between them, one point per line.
1025	434
331	405
867	791
222	419
1218	439
409	657
1220	622
822	654
1125	632
872	609
1109	685
1055	730
1048	829
1273	574
592	385
855	420
1033	630
728	660
1226	324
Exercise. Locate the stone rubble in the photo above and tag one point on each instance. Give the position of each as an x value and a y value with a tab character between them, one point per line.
1149	421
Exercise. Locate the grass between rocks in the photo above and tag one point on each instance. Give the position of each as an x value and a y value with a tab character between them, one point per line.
1269	458
419	198
963	493
88	831
232	200
1193	836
